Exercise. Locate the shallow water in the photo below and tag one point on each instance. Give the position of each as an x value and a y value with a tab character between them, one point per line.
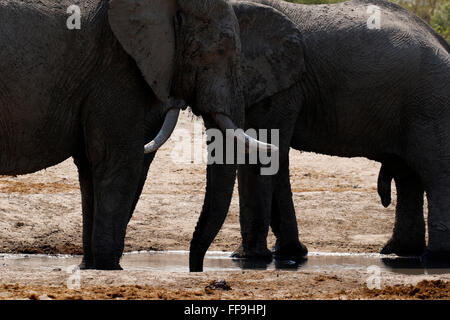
178	261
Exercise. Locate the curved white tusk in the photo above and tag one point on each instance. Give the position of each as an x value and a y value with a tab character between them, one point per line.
252	144
166	131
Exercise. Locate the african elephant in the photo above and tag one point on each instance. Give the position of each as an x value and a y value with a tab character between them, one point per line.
100	92
333	82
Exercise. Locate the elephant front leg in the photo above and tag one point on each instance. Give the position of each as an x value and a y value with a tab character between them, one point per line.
87	198
87	195
283	219
255	201
115	188
408	238
116	161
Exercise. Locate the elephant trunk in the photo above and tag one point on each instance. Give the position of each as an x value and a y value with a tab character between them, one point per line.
223	100
219	190
220	180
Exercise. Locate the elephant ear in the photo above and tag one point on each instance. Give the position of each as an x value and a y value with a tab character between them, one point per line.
145	30
272	50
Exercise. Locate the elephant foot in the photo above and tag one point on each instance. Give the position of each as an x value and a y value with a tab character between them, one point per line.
255	260
404	249
101	264
259	254
86	265
106	264
295	251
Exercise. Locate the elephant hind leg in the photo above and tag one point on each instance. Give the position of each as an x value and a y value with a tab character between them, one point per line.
438	195
408	238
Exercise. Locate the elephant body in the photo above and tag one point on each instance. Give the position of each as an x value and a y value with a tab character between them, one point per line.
35	135
100	92
351	91
381	93
76	93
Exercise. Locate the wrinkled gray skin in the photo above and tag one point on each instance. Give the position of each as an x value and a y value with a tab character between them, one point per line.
340	88
95	95
408	238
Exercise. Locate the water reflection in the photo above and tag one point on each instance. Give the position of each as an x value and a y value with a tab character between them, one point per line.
416	265
290	264
269	264
178	261
251	264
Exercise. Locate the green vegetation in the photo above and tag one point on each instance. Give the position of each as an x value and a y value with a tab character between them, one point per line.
434	12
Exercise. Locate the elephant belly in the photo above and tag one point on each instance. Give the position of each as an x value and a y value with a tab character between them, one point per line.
345	141
33	138
17	160
18	165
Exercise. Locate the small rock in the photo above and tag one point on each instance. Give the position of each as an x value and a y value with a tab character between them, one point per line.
218	285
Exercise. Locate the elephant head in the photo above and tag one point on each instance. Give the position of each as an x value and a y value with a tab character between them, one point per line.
186	49
272	61
190	50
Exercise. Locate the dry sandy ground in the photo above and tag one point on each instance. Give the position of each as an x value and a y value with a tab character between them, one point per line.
337	207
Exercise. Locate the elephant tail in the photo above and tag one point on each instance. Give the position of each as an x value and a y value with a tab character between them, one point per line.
384	185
